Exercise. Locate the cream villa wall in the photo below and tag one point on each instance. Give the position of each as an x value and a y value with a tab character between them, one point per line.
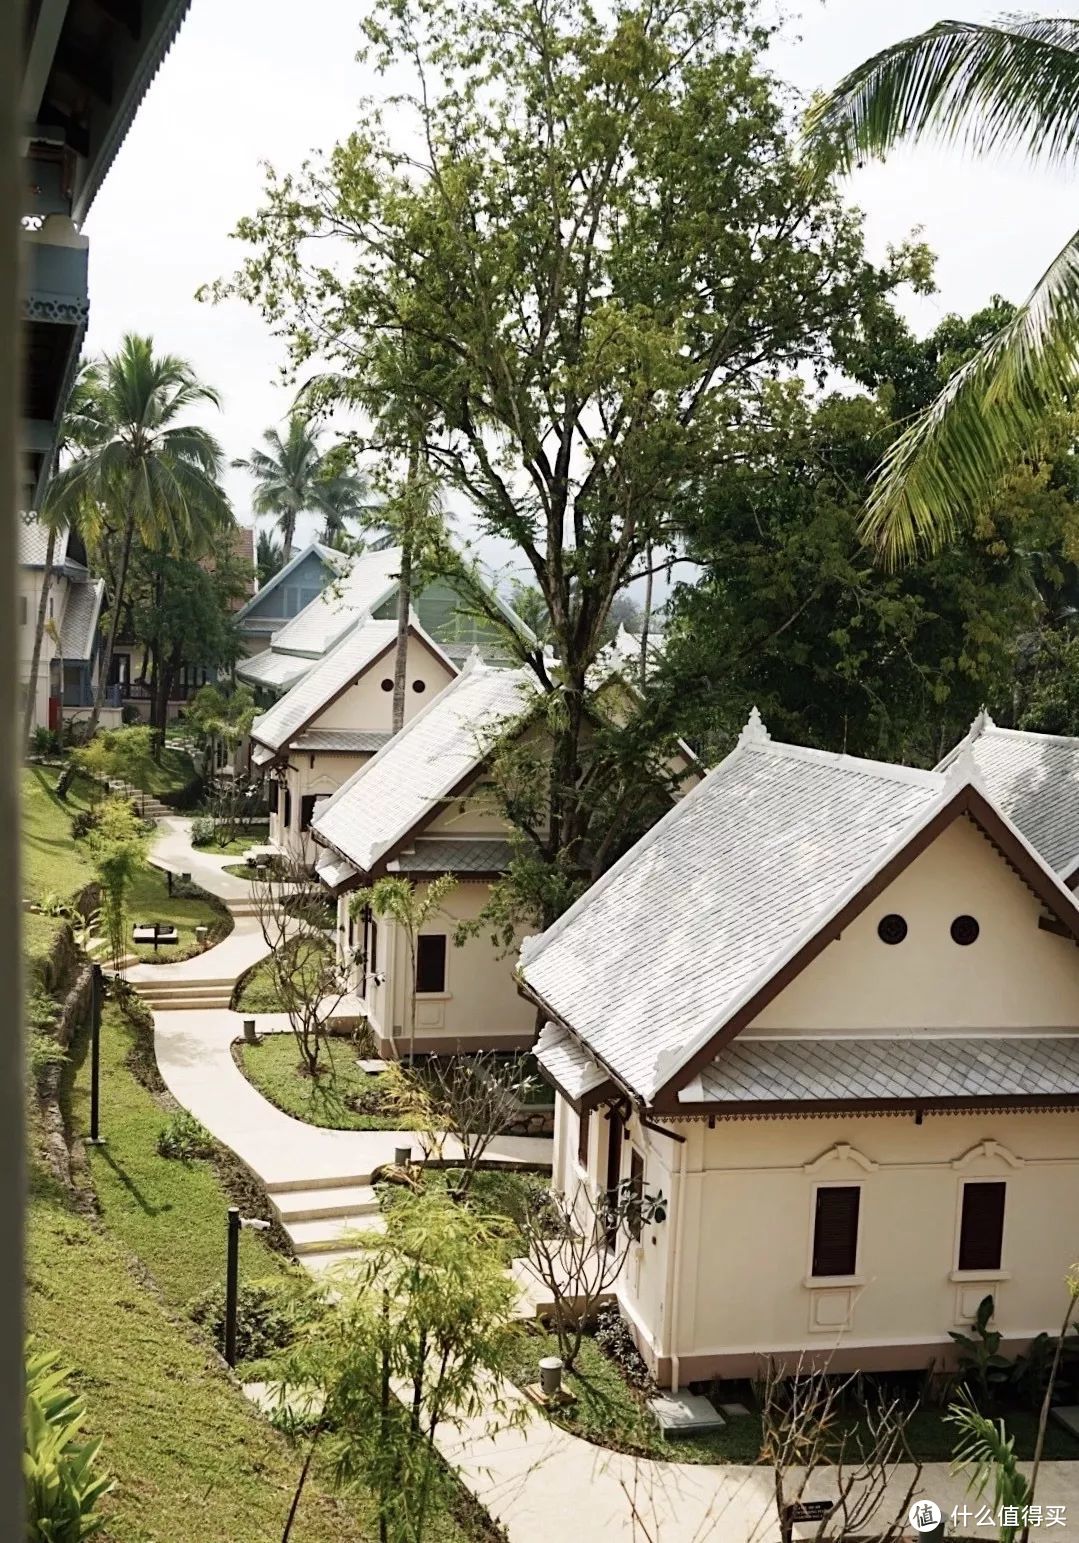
736	1285
366	705
26	604
480	1008
1014	976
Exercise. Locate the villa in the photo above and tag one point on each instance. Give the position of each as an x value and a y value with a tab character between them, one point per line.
67	671
333	721
829	1008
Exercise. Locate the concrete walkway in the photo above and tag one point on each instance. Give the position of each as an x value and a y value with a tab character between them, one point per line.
172	850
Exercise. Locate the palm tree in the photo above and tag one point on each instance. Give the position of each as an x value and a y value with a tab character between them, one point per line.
1011	84
268	557
294	476
58	513
145	474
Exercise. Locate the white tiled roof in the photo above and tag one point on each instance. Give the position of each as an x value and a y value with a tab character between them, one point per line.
273	670
371	579
33	540
334	870
568	1062
325	680
383	800
329	555
81	611
1034	779
702	911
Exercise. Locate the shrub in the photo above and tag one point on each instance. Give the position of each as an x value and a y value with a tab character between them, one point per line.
202	831
45	741
129	714
613	1336
264	1322
63	1485
83	821
183	1139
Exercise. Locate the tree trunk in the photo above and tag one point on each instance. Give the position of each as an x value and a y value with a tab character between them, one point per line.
39	633
646	621
68	773
288	535
400	658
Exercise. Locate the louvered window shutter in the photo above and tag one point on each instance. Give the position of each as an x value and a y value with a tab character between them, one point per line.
981	1234
835	1230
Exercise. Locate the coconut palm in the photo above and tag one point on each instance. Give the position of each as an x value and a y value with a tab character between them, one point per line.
294	476
1011	84
145	475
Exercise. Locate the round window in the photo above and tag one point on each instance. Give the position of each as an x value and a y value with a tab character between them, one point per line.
387	684
892	928
418	686
965	930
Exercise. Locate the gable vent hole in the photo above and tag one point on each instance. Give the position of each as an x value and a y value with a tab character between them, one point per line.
965	930
892	928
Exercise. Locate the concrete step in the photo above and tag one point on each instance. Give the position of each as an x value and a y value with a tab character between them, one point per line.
317	1204
342	1181
195	983
331	1259
182	1005
329	1234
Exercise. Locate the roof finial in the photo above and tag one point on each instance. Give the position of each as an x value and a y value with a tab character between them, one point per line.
754	732
981	723
964	769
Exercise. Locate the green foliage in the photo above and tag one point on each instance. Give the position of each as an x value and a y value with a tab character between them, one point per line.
184	1139
63	1478
214	713
428	1309
119	844
44	741
202	831
265	1318
986	1450
1000	85
981	1366
596	268
124	754
294	475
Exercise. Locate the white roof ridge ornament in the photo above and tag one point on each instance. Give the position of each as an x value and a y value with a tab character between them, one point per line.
981	723
754	732
964	772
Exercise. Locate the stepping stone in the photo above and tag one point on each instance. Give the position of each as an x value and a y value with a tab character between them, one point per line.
372	1066
685	1414
734	1411
1068	1416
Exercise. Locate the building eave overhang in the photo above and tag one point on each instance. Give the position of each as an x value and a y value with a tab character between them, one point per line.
804	1109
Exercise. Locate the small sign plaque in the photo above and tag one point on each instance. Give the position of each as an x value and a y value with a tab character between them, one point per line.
810	1510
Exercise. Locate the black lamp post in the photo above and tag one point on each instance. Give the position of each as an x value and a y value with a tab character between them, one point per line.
96	989
232	1274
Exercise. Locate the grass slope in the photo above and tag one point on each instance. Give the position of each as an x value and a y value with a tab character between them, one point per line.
52	862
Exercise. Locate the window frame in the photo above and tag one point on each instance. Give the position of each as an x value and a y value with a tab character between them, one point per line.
433	991
847	1276
979	1271
307	809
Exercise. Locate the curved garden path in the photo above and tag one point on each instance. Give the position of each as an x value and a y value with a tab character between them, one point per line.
541	1482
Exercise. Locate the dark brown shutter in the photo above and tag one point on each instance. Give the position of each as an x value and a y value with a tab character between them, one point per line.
981	1234
431	961
288	808
636	1194
835	1230
307	810
583	1121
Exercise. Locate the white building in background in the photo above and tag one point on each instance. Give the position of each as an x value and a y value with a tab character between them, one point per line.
68	665
829	1008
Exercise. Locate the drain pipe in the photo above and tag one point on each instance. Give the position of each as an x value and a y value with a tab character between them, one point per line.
674	1272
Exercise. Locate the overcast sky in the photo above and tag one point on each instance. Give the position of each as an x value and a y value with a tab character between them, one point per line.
253	80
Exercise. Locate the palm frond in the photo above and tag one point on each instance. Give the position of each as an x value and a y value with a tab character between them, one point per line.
1012	84
945	468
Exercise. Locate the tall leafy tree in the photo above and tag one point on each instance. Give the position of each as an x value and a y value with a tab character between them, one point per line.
1006	85
149	475
269	557
588	272
293	475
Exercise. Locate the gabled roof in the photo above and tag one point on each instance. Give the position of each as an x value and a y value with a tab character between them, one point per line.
453	854
329	555
682	943
276	672
419	769
339	670
343	741
568	1064
369	581
33	541
78	630
1034	779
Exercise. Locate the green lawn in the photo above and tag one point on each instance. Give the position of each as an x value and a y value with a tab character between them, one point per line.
256	992
612	1413
251	836
52	862
149	901
273	1067
174	771
171	1214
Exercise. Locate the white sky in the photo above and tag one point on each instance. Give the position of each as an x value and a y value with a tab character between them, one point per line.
253	80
